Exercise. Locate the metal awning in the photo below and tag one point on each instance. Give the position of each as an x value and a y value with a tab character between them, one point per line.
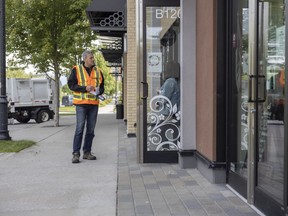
108	19
112	49
111	43
114	59
107	16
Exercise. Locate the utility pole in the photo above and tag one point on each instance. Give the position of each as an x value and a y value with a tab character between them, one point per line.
4	134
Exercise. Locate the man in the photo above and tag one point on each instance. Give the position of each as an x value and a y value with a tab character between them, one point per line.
87	83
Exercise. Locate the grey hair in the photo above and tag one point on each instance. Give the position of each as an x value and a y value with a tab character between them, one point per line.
86	53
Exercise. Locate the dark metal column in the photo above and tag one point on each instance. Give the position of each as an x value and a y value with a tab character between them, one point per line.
252	47
4	134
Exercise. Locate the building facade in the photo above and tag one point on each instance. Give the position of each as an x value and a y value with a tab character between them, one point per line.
204	87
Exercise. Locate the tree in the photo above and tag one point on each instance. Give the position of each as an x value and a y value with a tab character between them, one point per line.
49	34
109	79
17	73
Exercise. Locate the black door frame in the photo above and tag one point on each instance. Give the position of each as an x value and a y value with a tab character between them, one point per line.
153	156
236	181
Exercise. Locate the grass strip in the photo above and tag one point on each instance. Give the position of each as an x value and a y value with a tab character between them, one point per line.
68	110
15	146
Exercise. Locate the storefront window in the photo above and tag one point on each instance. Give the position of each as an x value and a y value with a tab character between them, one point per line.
163	78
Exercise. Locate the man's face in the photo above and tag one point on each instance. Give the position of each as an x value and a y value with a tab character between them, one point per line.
89	60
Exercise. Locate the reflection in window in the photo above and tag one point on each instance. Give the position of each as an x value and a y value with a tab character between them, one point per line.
271	112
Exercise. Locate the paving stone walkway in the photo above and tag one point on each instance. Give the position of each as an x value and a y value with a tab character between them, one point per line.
166	189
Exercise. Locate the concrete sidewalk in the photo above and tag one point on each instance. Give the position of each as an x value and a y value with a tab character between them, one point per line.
42	181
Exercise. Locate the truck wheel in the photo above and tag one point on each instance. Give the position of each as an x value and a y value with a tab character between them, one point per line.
43	116
22	119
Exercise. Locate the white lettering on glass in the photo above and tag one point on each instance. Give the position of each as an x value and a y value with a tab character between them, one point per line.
167	13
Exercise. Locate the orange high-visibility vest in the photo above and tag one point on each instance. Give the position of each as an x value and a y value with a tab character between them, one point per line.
95	79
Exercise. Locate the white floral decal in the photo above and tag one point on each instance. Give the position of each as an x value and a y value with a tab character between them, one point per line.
163	125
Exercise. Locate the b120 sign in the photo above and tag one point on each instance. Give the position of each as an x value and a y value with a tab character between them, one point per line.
167	13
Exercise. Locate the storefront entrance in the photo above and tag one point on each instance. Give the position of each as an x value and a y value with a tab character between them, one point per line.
257	92
160	81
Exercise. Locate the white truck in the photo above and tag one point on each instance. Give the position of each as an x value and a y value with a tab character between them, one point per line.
30	99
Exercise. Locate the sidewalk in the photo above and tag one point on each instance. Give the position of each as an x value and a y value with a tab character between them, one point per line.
42	181
166	189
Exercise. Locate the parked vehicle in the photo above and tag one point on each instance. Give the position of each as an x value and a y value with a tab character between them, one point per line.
30	99
67	100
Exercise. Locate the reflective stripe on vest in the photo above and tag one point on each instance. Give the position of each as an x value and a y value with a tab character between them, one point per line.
83	80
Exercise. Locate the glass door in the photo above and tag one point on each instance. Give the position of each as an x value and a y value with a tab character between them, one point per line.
238	95
161	81
257	142
269	188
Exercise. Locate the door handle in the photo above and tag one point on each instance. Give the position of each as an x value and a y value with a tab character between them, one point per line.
257	88
145	90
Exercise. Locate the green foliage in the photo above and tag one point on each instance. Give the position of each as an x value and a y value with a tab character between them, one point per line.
17	73
49	34
109	79
15	146
66	90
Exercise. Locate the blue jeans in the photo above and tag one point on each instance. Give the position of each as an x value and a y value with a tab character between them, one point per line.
85	114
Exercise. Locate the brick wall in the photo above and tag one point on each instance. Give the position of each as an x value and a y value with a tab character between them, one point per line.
131	106
124	80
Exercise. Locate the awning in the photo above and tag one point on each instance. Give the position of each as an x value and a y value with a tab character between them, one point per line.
108	16
112	50
114	59
108	19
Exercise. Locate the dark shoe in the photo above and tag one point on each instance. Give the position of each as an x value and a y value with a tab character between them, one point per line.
89	156
76	157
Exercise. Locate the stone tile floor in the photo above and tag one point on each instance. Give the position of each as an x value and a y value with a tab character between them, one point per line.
166	189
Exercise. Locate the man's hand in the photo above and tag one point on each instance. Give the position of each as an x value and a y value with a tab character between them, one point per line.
90	88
